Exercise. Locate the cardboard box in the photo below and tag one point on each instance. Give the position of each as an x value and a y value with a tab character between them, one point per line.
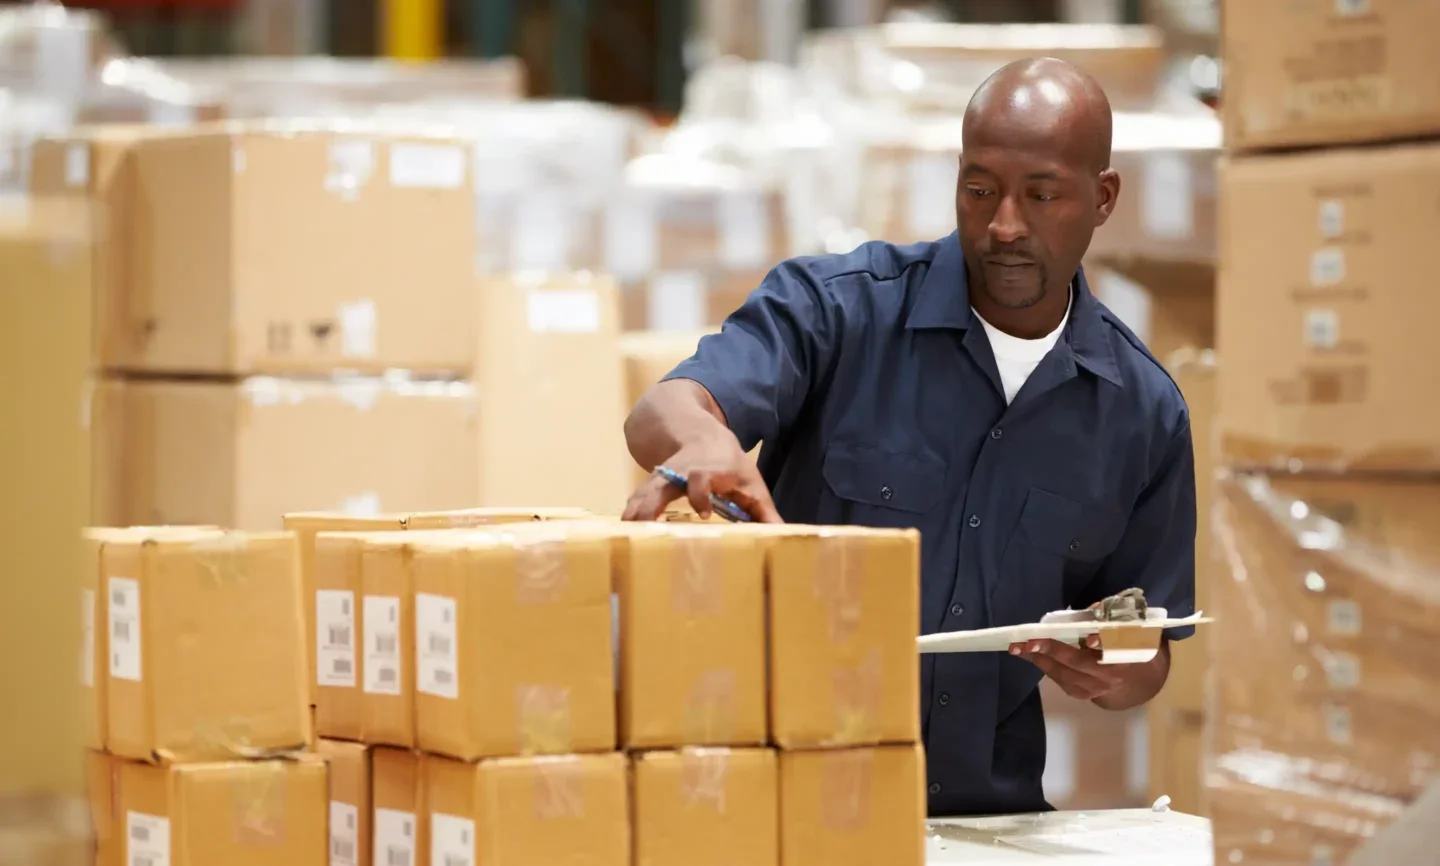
351	842
1284	826
291	247
1323	327
844	614
336	599
387	633
1328	73
206	660
1329	583
513	642
550	355
687	300
853	806
1176	750
225	814
552	809
707	807
243	454
692	637
400	825
45	312
101	772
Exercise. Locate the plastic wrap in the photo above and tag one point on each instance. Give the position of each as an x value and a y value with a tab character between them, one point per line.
1326	691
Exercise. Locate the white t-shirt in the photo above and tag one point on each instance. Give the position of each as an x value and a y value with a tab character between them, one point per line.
1017	358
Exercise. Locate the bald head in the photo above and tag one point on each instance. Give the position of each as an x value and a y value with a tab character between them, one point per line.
1048	103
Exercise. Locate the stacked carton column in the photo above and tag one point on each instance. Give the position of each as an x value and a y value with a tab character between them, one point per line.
1324	725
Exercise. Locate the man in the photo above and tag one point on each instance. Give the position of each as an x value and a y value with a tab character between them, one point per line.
975	389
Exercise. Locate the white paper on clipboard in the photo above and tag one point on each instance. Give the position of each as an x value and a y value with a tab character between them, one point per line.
1124	642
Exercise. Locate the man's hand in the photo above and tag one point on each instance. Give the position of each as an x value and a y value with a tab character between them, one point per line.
716	465
1078	672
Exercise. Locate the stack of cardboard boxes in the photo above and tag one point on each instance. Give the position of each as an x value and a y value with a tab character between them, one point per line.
566	689
288	316
1325	724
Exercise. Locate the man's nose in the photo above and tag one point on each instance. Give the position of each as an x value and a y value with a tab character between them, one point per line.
1008	226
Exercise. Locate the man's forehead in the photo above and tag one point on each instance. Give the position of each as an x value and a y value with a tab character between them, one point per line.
1044	137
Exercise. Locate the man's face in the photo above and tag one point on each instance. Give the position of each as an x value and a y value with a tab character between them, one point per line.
1026	214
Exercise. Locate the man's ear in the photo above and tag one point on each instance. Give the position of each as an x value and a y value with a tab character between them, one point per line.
1109	195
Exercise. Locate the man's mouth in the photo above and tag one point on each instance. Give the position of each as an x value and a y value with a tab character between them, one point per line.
1004	262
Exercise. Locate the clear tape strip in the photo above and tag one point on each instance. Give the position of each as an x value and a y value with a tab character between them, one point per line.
845	788
704	777
544	719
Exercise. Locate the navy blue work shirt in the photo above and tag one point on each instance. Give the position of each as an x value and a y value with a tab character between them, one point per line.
876	394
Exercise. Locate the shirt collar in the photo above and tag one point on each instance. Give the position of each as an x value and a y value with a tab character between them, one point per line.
944	302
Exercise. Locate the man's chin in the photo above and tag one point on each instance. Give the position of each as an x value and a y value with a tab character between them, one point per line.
1015	297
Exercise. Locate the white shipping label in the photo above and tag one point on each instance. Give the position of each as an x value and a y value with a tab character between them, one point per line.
1342	670
124	602
1345	617
87	638
631	242
745	231
147	840
436	653
357	329
344	834
427	166
381	624
1338	726
1332	218
1322	329
563	311
677	301
394	838
452	840
77	165
932	179
1167	197
540	238
1352	7
335	638
1327	266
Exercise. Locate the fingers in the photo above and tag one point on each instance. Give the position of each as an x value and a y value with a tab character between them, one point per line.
650	499
1076	671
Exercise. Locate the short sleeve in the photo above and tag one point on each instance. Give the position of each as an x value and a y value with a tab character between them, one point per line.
1157	551
761	365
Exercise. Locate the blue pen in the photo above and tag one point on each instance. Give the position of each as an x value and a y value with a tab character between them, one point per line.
724	507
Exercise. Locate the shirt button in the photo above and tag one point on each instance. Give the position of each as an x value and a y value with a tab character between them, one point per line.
944	699
957	610
974	521
1074	544
996	433
886	493
934	788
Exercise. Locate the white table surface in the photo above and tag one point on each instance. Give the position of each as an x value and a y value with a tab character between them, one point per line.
1124	837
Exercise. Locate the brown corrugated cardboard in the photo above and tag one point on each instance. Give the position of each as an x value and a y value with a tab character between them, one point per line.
400	826
692	637
550	355
244	454
273	248
335	600
225	814
1322	72
45	332
350	801
206	660
101	771
513	642
844	614
550	809
1324	327
387	633
853	806
707	807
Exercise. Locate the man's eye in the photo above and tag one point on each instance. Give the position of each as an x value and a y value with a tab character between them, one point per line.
1045	196
979	193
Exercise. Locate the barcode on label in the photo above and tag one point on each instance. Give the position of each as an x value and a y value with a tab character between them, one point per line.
140	833
142	860
1322	329
447	615
407	829
342	850
345	606
340	636
350	821
439	644
117	598
387	675
122	632
394	614
456	860
397	856
1327	267
342	666
444	676
386	644
1352	7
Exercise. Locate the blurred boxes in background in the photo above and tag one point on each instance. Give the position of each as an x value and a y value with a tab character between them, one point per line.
244	453
1094	758
1328	73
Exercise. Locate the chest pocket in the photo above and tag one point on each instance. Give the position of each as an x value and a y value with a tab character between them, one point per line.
1056	548
878	488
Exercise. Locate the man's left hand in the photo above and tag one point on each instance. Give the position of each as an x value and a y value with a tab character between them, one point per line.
1078	672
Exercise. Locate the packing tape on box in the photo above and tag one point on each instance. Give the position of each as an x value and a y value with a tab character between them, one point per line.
710	707
845	788
838	574
559	793
704	776
697	578
540	575
544	719
257	792
858	690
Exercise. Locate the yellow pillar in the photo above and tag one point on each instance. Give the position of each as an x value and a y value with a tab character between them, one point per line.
413	29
